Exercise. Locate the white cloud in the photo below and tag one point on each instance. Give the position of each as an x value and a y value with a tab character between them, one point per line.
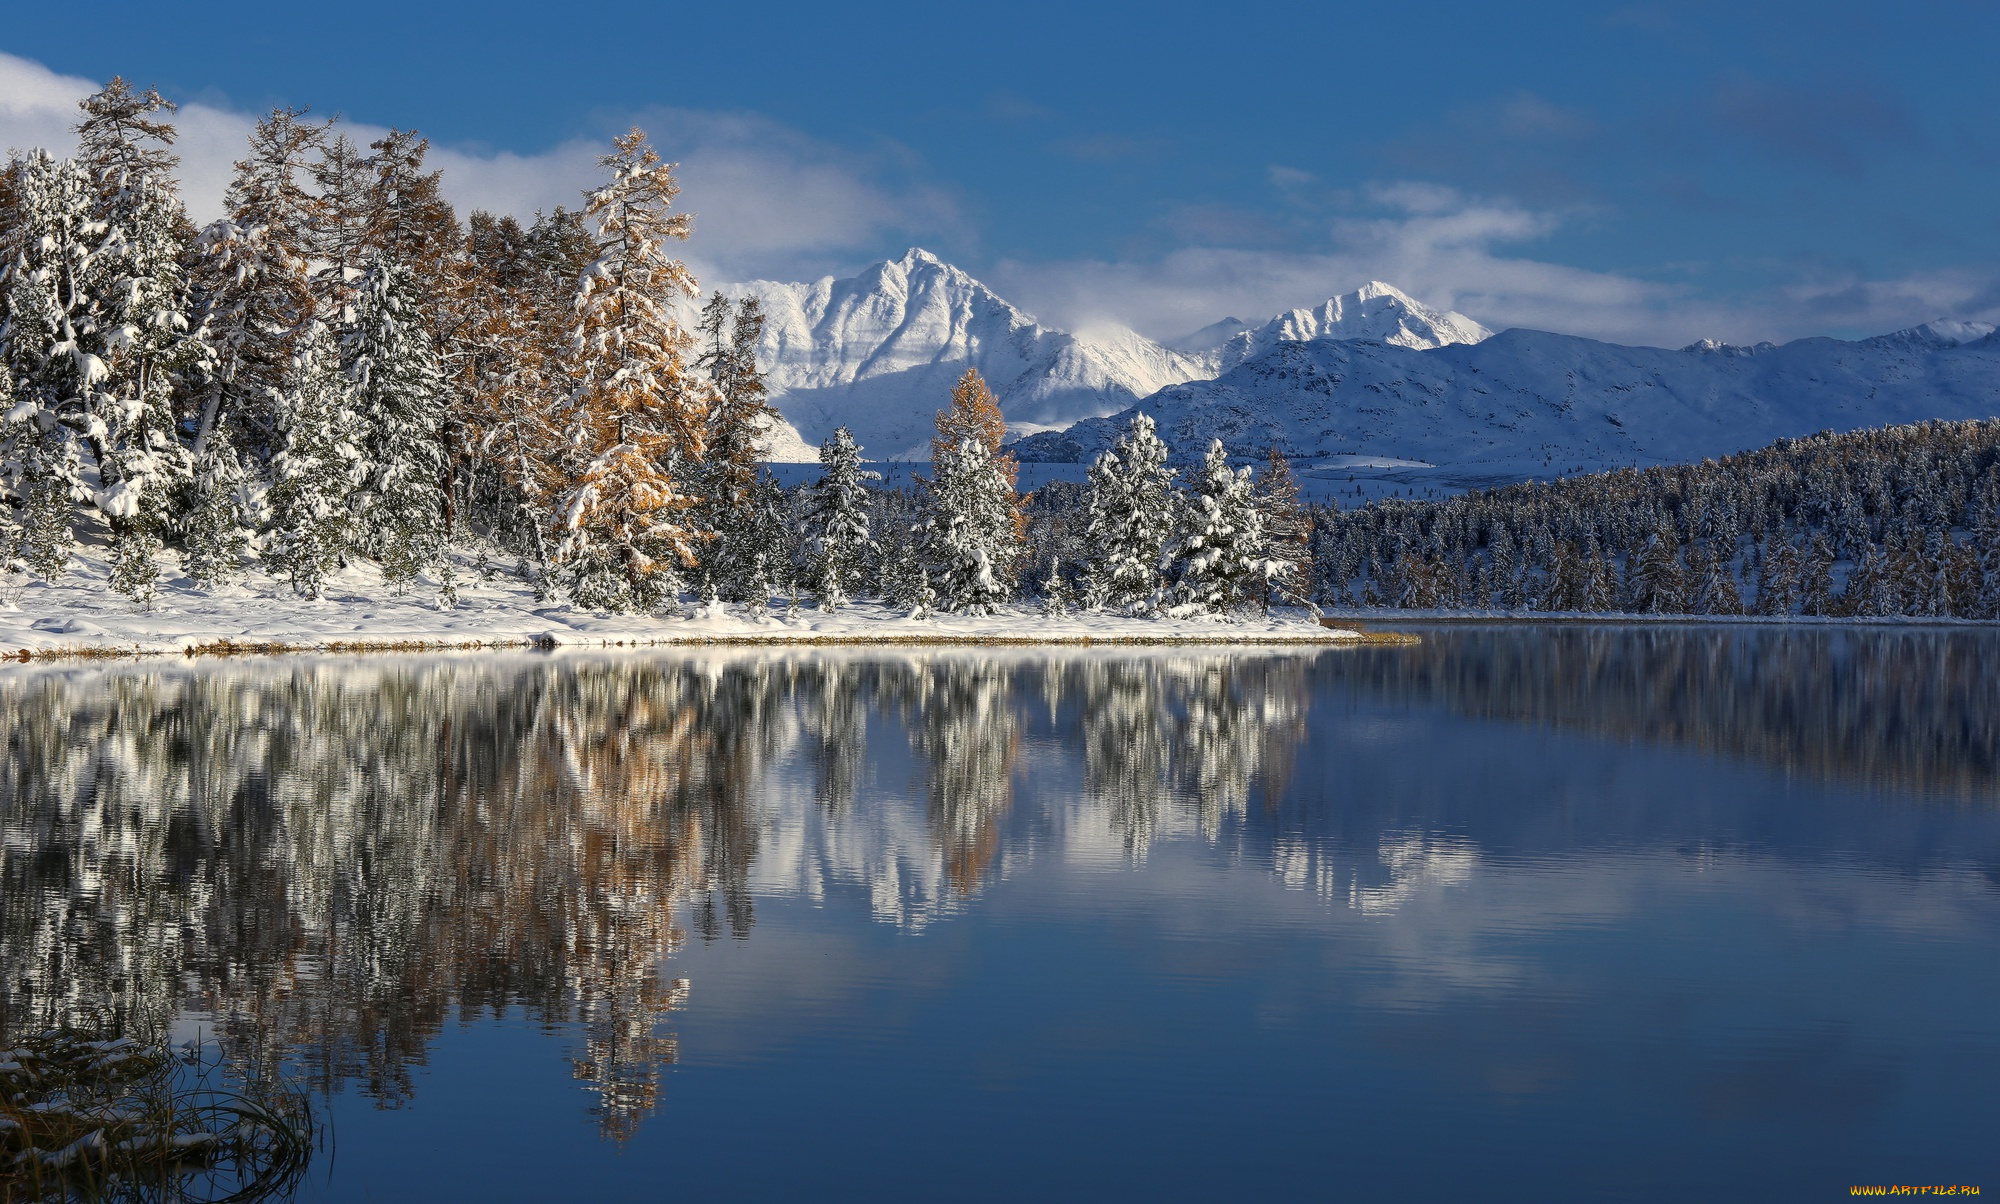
1452	251
767	199
773	202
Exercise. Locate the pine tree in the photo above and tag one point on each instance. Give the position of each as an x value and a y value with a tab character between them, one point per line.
251	284
971	533
343	222
1568	584
737	421
1506	571
971	517
218	520
1778	579
764	558
1601	586
410	222
125	150
837	527
399	398
1865	594
636	416
1714	588
317	469
1132	512
55	345
1658	584
1219	557
1986	549
1816	578
142	464
1286	530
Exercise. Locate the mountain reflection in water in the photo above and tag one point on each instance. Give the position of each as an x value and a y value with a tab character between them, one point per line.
324	861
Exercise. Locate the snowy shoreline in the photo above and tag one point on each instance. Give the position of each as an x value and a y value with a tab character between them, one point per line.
81	616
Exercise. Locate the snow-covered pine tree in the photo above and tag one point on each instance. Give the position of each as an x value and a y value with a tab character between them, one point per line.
737	419
970	515
55	346
1568	585
636	417
970	538
1778	578
1287	532
251	284
1867	593
1504	569
1601	590
216	525
763	561
399	399
838	542
1816	577
1658	584
317	469
1713	589
410	222
1133	507
125	146
1220	555
341	223
1986	550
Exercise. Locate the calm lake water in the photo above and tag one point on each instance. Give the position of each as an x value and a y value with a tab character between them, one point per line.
1526	912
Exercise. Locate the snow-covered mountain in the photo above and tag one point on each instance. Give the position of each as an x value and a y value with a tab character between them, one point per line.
879	352
1377	311
1524	403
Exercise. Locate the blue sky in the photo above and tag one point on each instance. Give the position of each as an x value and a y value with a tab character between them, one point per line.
1649	173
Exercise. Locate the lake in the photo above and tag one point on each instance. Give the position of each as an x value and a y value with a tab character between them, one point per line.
1524	911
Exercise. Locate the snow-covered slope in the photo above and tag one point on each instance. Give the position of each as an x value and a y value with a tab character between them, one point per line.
1376	311
1524	403
879	353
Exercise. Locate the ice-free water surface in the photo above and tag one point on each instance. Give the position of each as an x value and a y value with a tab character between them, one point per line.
1522	912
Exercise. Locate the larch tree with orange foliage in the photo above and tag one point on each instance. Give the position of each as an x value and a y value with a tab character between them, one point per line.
972	524
634	422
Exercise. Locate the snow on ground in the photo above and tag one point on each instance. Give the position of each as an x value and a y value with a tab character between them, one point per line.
81	614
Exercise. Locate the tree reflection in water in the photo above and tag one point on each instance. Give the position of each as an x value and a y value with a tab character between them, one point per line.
324	860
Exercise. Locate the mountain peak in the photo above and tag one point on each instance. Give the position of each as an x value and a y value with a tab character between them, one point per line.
1377	311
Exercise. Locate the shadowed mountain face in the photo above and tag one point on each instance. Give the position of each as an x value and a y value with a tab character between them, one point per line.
1528	404
324	862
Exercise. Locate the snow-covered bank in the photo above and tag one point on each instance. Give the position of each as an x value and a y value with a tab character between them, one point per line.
80	615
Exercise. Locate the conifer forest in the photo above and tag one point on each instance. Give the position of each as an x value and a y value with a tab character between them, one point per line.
341	370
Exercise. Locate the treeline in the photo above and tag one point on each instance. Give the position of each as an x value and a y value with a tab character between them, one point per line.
339	369
1898	521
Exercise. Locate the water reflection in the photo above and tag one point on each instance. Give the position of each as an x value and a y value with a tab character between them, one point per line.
327	860
1909	708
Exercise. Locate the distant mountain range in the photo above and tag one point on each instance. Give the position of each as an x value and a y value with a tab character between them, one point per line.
1372	377
879	352
1525	403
